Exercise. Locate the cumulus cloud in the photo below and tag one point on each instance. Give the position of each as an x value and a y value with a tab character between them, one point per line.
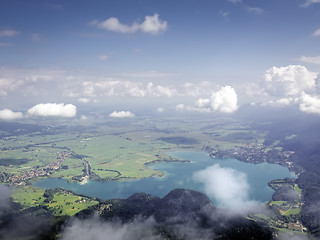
309	104
313	60
7	114
225	100
229	187
53	110
151	24
289	81
121	114
309	2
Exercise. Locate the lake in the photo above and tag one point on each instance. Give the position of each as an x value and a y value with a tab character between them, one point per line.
179	175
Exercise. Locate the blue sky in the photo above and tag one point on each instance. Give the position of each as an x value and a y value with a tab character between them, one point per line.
64	51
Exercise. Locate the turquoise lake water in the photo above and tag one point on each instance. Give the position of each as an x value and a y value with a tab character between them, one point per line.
177	175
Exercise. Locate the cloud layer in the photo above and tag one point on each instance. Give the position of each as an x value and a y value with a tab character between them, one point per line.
5	193
96	229
53	110
7	114
229	187
151	24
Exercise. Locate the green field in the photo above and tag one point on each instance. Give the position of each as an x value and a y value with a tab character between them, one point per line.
115	150
63	202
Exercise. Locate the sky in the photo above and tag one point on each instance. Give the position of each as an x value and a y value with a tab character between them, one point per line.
58	57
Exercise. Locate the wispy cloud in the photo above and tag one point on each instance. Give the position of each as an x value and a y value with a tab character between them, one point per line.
235	1
36	37
151	24
254	10
316	33
103	57
306	59
5	44
8	33
309	2
224	13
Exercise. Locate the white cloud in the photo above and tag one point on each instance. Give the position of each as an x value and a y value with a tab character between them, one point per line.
229	187
313	60
289	81
94	228
225	100
53	110
309	104
151	24
316	33
121	114
224	13
7	114
8	33
203	103
309	2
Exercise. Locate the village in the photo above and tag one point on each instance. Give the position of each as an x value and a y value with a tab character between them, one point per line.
25	175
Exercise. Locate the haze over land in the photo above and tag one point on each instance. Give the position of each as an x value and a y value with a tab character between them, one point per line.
100	90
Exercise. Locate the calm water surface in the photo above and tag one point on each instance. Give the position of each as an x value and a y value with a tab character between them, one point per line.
177	175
